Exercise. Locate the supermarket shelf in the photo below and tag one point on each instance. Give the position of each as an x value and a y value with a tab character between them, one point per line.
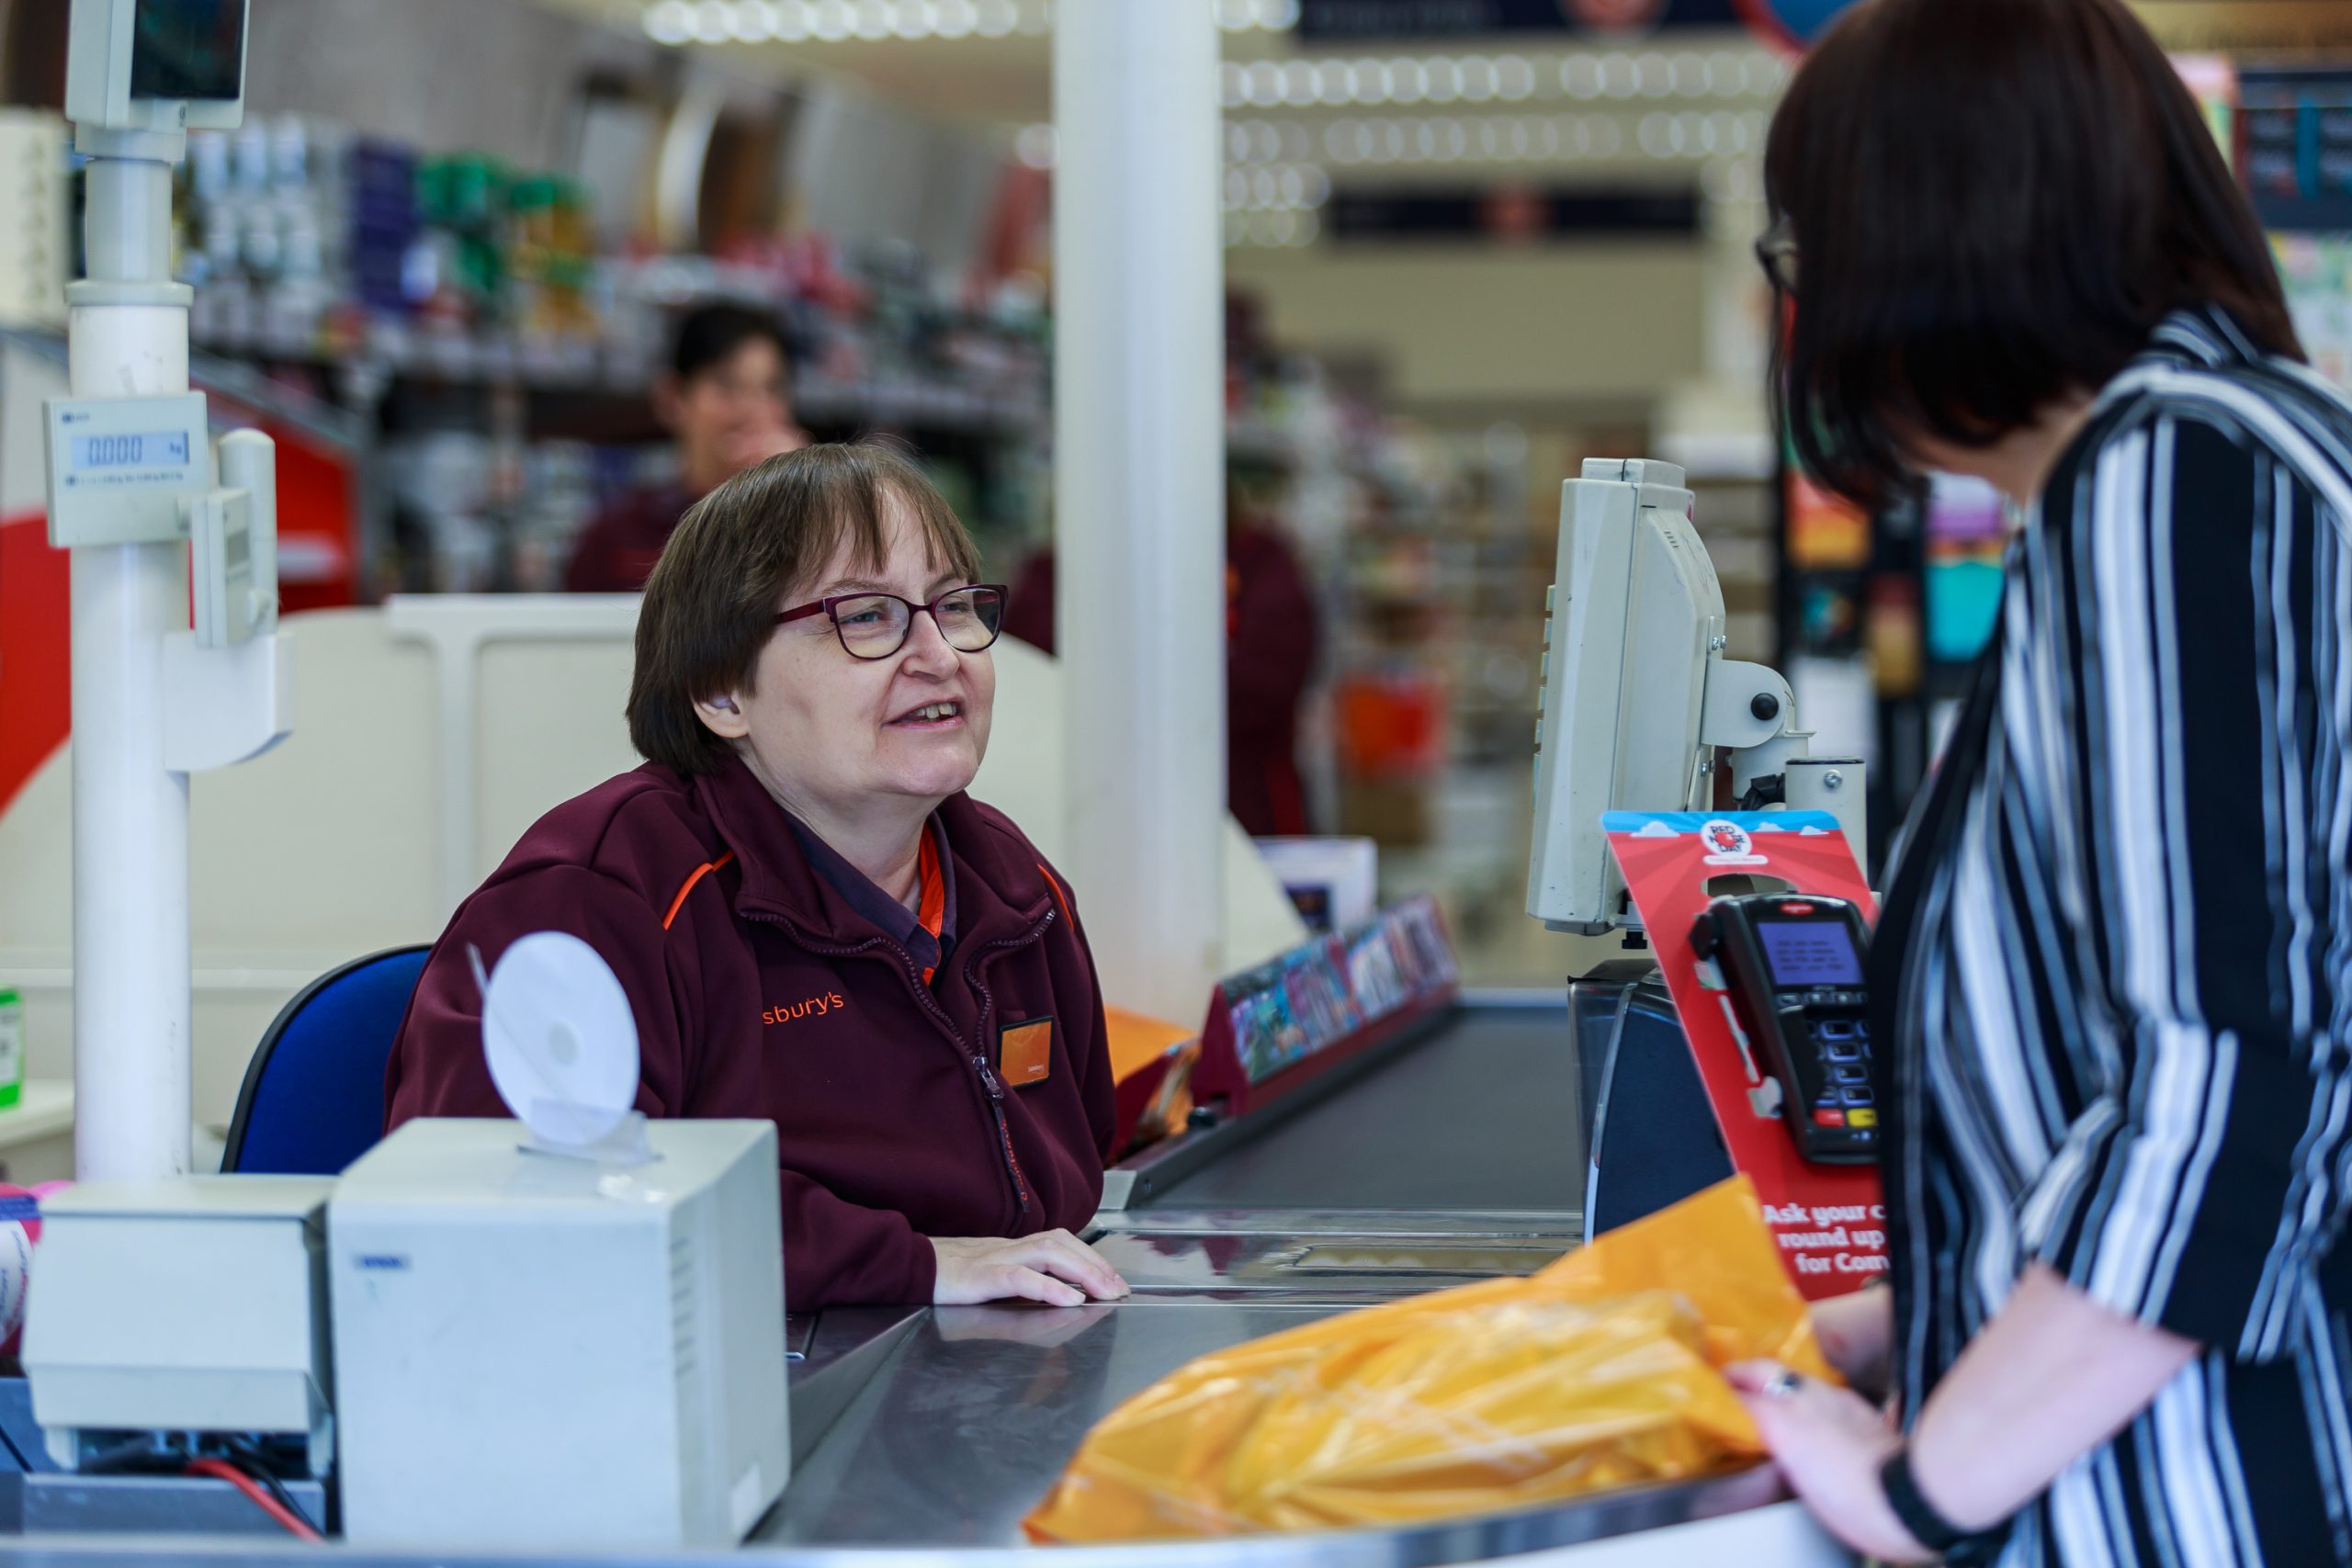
338	428
581	368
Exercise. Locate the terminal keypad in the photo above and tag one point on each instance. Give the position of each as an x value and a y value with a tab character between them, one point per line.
1792	964
1833	1022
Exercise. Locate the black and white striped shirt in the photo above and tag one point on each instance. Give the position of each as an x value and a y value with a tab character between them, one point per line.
2116	959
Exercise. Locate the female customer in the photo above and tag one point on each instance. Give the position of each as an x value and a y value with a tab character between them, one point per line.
813	922
2115	960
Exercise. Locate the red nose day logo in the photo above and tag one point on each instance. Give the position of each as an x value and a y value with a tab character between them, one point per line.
1613	15
1727	843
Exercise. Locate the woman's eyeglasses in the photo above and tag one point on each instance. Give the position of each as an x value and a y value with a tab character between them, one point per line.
1776	252
875	625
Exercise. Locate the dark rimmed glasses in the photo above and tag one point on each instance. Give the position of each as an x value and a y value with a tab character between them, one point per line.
875	625
1776	252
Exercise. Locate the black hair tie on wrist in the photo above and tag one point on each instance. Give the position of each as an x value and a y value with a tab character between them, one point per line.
1927	1527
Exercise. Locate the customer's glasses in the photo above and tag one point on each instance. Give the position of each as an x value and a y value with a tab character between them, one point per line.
875	625
1776	252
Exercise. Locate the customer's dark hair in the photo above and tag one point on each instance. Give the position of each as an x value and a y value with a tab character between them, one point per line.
736	557
1993	202
709	335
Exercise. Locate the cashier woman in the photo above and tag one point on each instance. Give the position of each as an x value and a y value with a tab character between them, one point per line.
814	923
2114	960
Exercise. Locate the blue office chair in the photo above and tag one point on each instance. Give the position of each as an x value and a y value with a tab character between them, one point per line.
313	1096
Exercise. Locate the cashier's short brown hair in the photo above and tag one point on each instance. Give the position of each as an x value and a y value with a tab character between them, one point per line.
738	552
1993	203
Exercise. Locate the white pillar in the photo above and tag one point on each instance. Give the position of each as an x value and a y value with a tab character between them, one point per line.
131	924
1139	490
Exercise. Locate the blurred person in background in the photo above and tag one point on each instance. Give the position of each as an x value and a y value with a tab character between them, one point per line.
1270	642
2112	981
726	398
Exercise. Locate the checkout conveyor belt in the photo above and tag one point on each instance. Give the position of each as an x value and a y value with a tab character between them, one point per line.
1451	1154
1481	1114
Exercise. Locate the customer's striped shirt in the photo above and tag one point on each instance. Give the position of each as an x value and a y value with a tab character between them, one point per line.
2121	924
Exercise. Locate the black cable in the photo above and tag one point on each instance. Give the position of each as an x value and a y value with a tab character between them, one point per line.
268	1478
258	1462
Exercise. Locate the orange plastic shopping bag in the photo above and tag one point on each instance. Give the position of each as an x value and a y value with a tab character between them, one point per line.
1602	1371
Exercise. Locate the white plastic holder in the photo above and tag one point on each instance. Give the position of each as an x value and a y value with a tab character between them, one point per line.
225	706
624	1144
1768	760
1839	785
1749	711
1746	706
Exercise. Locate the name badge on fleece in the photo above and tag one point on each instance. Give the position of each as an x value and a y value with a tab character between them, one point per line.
1024	1051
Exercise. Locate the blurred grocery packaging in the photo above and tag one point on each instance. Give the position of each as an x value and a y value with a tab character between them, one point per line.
1602	1371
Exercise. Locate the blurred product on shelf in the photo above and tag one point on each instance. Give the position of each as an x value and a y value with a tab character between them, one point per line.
303	237
36	241
726	398
1967	532
2318	272
1825	532
2293	144
511	363
306	240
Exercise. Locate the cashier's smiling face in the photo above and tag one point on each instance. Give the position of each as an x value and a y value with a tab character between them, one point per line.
830	733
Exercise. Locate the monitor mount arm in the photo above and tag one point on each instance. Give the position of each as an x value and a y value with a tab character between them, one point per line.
1749	712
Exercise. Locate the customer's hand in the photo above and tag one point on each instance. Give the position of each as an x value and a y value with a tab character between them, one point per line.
1829	1443
1857	1333
1054	1266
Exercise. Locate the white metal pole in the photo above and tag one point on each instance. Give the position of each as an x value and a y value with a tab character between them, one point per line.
130	919
1139	488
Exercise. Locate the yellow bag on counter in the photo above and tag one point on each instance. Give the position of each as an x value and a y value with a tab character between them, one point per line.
1599	1372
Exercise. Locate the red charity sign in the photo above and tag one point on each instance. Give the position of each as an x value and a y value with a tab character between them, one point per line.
1830	1219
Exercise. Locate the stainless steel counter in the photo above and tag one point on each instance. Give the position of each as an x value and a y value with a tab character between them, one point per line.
967	1426
1335	1256
1454	1160
923	1435
1727	1520
969	1423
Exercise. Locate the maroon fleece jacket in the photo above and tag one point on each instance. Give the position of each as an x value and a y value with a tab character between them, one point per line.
761	992
615	553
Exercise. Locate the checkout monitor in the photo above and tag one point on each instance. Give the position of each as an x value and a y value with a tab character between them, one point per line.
1632	621
187	49
155	68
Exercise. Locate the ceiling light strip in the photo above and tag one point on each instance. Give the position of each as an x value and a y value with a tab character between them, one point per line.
1502	138
678	22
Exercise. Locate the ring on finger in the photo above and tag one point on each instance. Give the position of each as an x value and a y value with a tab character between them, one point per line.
1781	1384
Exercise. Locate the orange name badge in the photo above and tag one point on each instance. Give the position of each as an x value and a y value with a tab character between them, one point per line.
1025	1052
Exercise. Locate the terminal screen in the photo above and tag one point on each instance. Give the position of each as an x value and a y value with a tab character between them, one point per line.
138	449
1810	952
187	49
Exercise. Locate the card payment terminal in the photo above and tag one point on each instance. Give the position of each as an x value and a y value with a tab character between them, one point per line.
1791	969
